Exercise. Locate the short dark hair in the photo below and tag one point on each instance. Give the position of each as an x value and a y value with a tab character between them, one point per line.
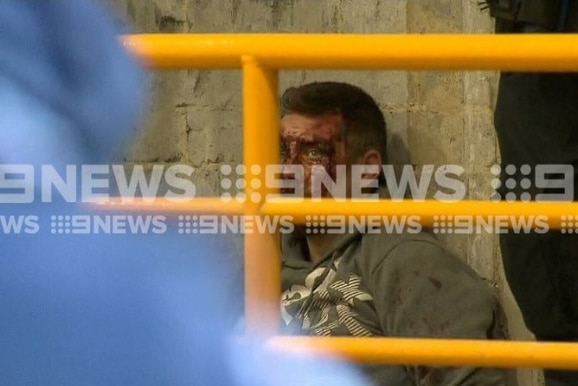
365	126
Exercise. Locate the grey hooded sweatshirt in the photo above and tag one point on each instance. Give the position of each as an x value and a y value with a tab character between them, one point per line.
393	285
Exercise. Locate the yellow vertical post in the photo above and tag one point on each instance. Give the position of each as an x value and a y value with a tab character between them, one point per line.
261	148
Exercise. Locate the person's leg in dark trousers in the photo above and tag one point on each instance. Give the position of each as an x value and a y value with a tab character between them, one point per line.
536	121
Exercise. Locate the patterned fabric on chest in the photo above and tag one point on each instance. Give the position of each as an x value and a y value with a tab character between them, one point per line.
330	301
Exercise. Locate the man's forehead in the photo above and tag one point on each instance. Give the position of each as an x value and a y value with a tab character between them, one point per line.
324	127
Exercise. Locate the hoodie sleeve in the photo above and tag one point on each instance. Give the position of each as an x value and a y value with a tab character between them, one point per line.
422	291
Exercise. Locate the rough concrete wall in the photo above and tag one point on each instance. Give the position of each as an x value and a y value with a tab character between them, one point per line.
433	117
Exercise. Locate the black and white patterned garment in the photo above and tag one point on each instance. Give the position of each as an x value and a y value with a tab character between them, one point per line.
395	285
327	301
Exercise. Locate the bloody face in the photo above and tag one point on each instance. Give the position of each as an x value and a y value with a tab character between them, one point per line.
312	143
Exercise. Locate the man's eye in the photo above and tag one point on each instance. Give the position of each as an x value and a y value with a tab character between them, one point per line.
313	153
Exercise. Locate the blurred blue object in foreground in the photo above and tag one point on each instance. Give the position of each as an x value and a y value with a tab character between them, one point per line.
112	310
95	308
92	309
70	92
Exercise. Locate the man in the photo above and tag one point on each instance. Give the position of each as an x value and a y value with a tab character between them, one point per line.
367	283
537	127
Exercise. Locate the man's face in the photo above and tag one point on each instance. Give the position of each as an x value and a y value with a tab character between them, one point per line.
313	143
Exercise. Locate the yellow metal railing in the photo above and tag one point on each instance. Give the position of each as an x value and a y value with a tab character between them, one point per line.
261	56
404	52
434	352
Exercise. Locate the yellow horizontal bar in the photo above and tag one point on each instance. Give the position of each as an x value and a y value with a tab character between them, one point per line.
429	211
554	214
435	352
202	205
521	52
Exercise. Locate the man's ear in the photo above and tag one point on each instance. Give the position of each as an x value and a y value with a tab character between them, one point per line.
372	160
